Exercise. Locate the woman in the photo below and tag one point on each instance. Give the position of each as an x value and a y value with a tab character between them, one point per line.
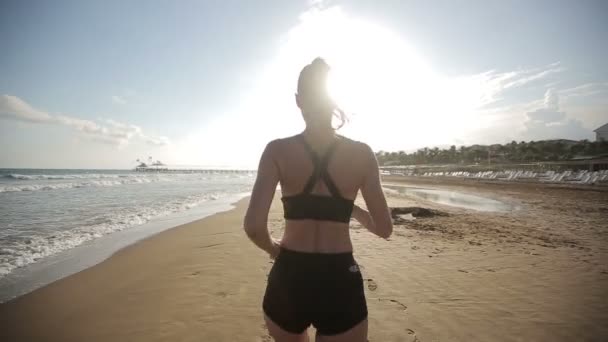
315	279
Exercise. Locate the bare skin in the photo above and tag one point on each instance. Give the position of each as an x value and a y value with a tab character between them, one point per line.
354	168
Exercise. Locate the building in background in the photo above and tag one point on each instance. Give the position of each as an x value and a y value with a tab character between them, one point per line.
601	133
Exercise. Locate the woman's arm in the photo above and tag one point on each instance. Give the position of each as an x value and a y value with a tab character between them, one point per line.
256	219
378	220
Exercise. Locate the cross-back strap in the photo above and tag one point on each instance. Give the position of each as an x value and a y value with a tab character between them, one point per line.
320	169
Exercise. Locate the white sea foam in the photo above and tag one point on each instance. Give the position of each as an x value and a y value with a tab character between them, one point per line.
69	176
390	191
19	251
45	212
71	185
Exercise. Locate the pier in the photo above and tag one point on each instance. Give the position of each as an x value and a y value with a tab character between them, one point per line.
203	170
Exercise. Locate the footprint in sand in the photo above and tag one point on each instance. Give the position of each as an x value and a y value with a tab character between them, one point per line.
403	306
437	251
371	284
412	335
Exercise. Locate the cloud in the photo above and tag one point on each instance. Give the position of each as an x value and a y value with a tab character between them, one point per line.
494	85
551	100
586	90
550	123
317	3
550	114
523	77
12	107
158	141
109	131
546	115
119	100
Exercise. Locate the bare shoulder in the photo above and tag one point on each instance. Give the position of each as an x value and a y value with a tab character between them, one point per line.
357	148
278	143
274	144
279	146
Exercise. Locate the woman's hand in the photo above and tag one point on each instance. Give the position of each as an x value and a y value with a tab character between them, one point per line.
275	248
360	215
366	220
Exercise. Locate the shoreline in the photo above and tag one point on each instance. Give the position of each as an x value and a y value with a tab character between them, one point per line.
532	274
47	270
452	180
73	295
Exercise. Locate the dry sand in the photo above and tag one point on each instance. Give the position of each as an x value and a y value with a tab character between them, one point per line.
535	274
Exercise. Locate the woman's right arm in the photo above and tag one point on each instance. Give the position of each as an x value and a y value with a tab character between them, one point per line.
378	220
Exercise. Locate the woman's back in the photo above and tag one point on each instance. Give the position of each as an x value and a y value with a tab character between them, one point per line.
347	166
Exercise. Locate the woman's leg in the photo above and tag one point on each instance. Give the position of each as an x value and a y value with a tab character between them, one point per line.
358	333
281	335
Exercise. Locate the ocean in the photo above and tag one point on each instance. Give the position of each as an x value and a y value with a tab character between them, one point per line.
57	222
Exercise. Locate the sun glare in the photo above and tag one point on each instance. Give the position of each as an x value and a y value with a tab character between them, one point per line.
385	83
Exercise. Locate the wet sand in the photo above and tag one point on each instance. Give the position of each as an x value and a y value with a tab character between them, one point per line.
538	273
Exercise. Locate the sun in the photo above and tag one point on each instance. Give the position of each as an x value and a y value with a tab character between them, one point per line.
394	97
380	79
371	65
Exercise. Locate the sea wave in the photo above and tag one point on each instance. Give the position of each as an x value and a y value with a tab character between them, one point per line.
19	251
71	185
390	191
17	176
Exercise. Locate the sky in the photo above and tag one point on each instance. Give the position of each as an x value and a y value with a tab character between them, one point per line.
99	84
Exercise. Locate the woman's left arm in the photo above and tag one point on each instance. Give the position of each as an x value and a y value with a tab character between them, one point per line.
256	219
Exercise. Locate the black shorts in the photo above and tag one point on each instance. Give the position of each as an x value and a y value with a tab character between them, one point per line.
325	290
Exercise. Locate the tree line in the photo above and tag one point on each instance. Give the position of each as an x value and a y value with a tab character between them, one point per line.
513	152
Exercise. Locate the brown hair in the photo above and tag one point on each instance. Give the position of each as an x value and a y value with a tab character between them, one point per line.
312	84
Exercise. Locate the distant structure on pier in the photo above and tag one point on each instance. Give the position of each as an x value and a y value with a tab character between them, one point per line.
601	133
158	166
152	166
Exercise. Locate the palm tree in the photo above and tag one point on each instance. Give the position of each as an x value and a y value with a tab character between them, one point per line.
452	153
140	163
462	152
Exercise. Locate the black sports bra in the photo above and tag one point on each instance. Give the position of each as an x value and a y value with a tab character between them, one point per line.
307	205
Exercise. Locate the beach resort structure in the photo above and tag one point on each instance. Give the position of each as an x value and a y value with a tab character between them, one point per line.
601	133
583	170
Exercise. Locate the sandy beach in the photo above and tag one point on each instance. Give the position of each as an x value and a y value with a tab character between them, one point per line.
538	273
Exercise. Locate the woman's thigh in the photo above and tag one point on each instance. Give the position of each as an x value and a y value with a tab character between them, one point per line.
358	333
281	335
